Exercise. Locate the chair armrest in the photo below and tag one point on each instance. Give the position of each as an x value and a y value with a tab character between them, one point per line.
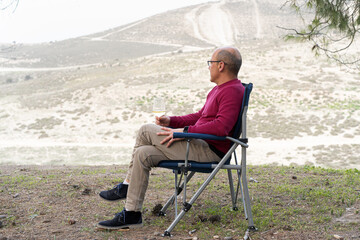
198	136
208	137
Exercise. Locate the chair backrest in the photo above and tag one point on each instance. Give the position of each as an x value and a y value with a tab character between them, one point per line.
239	127
244	106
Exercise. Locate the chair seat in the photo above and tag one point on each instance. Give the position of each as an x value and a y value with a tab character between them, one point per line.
204	167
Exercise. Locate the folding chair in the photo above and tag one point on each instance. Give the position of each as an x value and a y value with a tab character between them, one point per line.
184	166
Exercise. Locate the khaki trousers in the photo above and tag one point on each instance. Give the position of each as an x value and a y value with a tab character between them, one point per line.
148	152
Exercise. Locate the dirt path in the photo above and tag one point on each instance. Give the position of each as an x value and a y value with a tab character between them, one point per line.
257	17
47	69
212	24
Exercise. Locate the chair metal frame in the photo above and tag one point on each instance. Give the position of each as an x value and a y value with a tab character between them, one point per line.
183	167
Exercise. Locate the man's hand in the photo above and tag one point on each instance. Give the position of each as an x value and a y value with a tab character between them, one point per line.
169	133
162	121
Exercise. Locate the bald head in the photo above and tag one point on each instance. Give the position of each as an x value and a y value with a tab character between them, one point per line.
231	57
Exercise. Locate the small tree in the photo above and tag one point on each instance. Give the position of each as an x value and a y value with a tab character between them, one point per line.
333	28
8	5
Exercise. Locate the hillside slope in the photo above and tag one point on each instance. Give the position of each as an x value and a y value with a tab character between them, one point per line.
186	29
81	101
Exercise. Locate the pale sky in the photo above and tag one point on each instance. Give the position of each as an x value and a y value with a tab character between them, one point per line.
53	20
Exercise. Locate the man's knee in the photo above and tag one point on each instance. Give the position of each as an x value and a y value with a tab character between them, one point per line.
146	128
148	132
147	156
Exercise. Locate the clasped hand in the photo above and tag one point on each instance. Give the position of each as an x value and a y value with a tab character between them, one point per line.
168	132
164	121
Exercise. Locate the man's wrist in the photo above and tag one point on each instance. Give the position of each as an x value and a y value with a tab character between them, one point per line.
186	129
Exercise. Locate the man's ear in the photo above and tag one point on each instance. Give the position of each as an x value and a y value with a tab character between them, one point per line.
221	66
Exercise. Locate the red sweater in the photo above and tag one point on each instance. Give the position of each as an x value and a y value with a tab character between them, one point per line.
218	116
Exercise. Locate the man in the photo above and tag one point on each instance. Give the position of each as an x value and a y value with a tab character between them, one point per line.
155	143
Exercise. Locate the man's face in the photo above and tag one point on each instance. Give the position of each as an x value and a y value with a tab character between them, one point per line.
213	68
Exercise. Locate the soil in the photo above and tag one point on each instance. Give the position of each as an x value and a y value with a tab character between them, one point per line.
61	202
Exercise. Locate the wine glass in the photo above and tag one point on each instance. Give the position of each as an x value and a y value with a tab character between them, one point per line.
159	106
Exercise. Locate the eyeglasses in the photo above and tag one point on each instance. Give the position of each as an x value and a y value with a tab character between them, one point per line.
210	62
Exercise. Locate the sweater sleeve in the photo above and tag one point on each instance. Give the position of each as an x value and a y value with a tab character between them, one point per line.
186	120
226	116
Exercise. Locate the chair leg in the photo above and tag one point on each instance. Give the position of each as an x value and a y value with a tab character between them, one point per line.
232	192
242	193
172	198
239	185
175	194
188	205
248	212
246	197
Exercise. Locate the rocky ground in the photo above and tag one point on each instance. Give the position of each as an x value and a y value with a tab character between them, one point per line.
61	202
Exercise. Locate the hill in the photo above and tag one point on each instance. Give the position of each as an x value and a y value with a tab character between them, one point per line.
191	28
80	101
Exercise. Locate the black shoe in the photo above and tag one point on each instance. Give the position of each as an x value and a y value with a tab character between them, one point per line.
117	193
124	219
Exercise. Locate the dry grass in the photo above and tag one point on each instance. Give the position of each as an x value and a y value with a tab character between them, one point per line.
287	203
